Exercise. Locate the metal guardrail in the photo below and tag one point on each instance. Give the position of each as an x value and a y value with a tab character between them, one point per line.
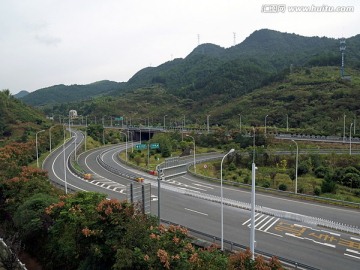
232	246
6	249
280	192
279	213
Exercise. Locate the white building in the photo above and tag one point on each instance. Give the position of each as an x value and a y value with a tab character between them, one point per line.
73	114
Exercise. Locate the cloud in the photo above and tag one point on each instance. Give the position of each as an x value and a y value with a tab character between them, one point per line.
48	40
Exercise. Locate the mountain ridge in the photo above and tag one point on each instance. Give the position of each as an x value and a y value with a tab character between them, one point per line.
211	69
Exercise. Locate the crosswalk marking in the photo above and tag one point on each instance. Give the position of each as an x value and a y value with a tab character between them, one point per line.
262	220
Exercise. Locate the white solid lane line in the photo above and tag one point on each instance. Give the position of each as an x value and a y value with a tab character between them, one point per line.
191	210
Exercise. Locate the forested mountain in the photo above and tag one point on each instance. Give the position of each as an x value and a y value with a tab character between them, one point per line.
288	69
16	118
314	99
263	57
21	94
64	93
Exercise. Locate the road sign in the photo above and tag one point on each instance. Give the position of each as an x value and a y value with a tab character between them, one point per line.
140	146
154	146
119	118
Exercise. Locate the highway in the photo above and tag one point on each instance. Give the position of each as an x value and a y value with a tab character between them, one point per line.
318	247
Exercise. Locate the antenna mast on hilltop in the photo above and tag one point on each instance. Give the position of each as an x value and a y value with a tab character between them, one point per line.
234	38
342	50
198	36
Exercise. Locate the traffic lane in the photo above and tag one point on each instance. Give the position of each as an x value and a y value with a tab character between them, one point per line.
205	216
54	164
341	215
337	214
189	209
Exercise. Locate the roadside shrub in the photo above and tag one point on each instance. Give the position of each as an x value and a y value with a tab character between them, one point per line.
321	171
283	187
303	168
266	184
232	167
328	186
317	191
247	179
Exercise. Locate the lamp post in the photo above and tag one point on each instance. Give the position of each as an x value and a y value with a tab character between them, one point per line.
50	138
207	123
103	135
296	165
187	135
37	150
350	138
287	122
344	128
70	125
252	230
65	161
265	125
132	141
125	144
240	122
164	120
222	204
140	134
85	132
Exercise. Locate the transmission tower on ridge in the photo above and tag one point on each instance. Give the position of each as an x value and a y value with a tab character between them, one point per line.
342	50
234	38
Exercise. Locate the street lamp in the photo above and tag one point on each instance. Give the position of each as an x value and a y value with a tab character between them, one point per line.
85	131
103	136
65	161
252	230
140	133
69	125
187	135
50	137
344	128
350	137
207	122
164	121
222	204
125	144
296	165
37	150
287	122
265	125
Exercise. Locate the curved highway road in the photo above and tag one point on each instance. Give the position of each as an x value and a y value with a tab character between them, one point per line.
311	245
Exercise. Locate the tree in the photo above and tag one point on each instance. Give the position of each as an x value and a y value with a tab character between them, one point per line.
67	245
30	220
328	185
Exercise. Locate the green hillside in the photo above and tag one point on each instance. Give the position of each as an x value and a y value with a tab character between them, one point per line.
270	73
210	71
64	93
314	99
260	59
16	118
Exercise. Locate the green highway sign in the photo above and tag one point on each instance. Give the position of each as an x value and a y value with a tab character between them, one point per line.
140	146
154	146
119	118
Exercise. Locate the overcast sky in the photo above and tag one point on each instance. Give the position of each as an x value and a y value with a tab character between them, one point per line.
49	42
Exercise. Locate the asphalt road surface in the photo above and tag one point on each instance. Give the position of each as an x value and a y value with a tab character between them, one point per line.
301	242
